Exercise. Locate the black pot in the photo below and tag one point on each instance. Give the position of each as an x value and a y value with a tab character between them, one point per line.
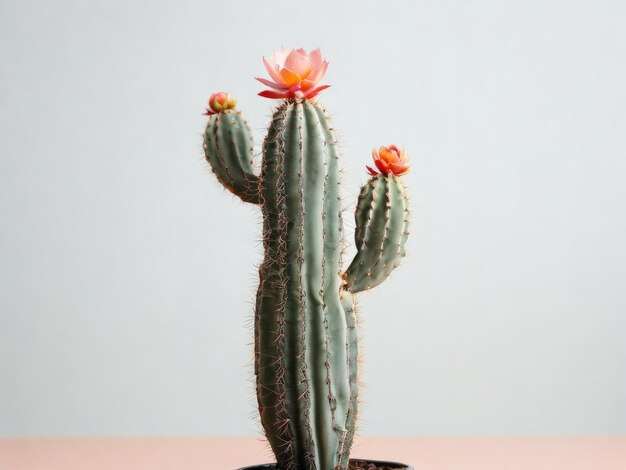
380	463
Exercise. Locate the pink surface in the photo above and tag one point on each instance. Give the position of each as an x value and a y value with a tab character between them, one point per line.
499	453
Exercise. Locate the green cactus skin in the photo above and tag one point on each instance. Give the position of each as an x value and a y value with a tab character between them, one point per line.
305	324
381	232
228	148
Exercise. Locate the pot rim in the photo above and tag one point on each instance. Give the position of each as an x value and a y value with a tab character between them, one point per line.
271	466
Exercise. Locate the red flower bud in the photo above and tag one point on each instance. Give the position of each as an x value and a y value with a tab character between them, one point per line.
219	102
389	160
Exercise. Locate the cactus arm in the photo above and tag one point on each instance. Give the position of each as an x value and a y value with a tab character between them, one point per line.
228	149
381	218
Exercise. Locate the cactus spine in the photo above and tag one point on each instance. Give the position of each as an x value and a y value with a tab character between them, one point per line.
305	315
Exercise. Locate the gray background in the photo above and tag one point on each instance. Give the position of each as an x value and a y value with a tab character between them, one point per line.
126	272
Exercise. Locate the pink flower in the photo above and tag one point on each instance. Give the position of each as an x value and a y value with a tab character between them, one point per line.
389	160
294	73
219	102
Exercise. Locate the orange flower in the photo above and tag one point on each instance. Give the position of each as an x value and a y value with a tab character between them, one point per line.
389	160
294	73
219	102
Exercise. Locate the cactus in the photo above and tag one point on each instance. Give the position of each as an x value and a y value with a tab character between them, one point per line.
305	327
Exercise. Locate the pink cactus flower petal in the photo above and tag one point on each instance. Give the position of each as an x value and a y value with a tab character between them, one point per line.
298	62
398	169
371	170
315	91
318	72
274	94
382	166
271	84
315	56
272	70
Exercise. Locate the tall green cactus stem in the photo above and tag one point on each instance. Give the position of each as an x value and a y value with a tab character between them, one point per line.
305	317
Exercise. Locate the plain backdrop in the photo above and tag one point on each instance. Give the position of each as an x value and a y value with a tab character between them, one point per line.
127	272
